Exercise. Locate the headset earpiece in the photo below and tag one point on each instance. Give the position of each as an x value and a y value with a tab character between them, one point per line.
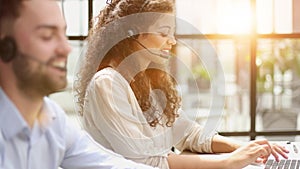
8	49
131	32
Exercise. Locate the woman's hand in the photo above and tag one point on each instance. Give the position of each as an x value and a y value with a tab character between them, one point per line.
257	151
254	151
278	149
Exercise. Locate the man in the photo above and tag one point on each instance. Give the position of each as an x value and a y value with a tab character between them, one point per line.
35	133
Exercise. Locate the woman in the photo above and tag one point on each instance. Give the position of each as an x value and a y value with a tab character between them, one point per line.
129	101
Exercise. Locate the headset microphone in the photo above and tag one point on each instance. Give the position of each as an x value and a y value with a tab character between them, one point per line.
130	35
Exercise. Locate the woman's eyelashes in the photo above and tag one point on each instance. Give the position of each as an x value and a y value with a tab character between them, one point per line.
164	31
164	34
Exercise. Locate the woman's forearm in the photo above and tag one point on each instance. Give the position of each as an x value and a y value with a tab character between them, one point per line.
222	144
195	161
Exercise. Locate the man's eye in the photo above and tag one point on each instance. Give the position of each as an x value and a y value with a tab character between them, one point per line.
46	38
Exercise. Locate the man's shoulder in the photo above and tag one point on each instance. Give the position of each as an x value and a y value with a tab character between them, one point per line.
54	110
52	104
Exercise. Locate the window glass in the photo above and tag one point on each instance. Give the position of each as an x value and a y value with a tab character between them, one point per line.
275	16
97	6
278	79
195	81
76	14
236	17
215	16
234	57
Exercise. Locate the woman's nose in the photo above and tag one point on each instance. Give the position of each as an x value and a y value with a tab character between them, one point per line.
172	40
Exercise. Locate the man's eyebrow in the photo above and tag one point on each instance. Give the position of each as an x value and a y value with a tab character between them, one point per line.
49	27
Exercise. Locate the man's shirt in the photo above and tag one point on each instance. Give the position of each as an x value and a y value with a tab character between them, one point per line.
52	142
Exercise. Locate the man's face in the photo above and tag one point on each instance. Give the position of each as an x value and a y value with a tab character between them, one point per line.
40	36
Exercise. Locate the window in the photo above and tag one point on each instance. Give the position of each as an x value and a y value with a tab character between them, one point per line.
257	43
258	46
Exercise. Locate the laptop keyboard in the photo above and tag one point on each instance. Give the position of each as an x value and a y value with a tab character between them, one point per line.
282	164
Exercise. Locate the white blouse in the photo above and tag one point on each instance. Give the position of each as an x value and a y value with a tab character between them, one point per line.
114	118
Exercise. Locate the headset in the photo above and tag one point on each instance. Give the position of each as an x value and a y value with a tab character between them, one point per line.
132	32
8	49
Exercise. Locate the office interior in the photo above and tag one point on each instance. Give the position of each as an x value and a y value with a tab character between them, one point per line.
257	44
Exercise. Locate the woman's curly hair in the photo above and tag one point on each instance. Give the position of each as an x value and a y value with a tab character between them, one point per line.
144	81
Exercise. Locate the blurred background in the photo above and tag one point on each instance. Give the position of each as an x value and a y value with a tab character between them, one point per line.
258	45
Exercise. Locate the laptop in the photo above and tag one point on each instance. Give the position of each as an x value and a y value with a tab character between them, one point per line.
293	162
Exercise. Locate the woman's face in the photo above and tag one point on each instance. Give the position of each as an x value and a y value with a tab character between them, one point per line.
159	40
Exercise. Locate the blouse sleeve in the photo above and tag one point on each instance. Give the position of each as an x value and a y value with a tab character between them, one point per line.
116	114
194	138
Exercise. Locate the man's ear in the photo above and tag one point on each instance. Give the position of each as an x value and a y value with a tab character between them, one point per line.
8	49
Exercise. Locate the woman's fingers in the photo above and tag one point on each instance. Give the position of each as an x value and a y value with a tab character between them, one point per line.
250	153
257	151
279	150
265	144
275	149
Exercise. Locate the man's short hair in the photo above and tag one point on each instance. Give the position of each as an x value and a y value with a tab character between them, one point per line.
9	11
